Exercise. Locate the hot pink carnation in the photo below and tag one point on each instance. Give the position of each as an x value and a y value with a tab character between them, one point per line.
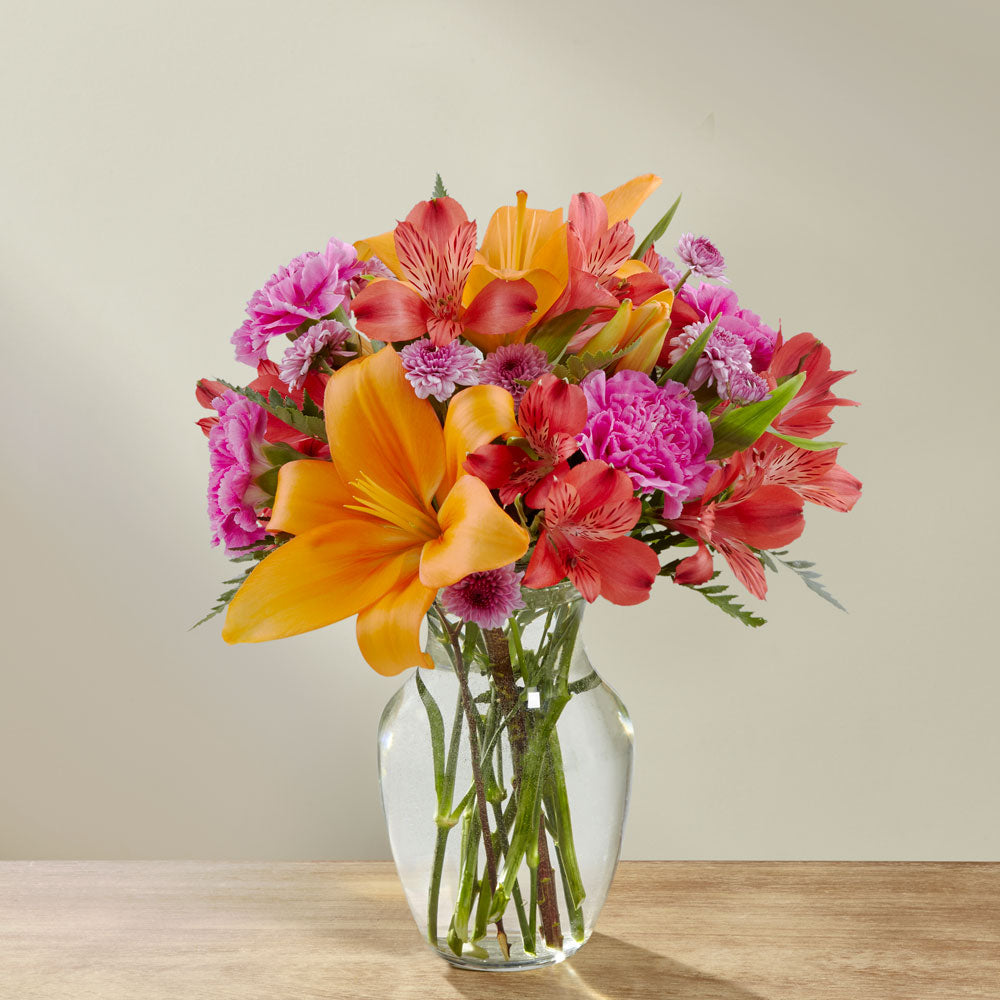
487	599
311	287
654	434
235	461
510	365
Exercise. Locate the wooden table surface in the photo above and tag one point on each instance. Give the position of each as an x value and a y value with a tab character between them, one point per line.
705	930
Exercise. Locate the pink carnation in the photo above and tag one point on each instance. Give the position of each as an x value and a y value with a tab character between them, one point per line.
654	434
235	461
438	371
510	365
320	341
700	254
311	287
724	356
486	599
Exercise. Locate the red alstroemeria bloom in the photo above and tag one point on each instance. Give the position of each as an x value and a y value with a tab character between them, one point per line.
808	414
435	248
757	514
588	514
277	430
814	475
599	242
551	415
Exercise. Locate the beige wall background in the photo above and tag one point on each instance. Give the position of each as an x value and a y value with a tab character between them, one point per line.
162	159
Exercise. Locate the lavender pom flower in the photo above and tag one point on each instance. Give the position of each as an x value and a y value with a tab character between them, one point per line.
701	255
235	461
725	355
323	340
512	364
745	388
310	287
654	434
486	599
438	371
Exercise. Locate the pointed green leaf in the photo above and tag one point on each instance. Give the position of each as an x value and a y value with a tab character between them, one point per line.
657	231
739	427
806	573
554	335
685	365
718	595
309	407
437	741
439	190
284	409
807	443
281	453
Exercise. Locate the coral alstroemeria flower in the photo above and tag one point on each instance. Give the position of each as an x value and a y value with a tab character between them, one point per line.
808	414
758	514
434	250
599	246
588	514
550	417
368	539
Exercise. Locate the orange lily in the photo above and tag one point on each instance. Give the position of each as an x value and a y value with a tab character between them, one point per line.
369	538
522	242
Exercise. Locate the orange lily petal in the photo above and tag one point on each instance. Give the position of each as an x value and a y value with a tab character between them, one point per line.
383	247
646	334
624	201
318	578
310	494
389	630
516	234
476	535
475	417
378	428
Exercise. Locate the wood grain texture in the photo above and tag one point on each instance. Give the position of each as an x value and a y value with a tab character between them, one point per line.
695	931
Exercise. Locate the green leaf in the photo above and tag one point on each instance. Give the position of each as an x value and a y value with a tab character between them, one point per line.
806	443
437	742
685	365
717	594
554	335
806	573
740	426
439	190
281	453
284	409
656	232
309	407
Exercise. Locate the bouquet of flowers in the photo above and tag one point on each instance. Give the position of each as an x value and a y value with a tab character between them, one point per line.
487	437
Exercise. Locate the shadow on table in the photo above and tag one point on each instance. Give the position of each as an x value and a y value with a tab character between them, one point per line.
606	969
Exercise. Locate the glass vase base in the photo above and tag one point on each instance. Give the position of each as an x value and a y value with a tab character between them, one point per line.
487	957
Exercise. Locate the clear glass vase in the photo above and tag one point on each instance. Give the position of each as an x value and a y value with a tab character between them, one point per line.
512	735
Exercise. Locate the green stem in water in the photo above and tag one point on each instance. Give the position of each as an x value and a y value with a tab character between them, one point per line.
441	840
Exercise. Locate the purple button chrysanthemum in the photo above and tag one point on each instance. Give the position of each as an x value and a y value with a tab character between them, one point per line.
746	387
654	434
725	355
235	461
700	254
487	599
320	341
511	365
310	287
438	371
